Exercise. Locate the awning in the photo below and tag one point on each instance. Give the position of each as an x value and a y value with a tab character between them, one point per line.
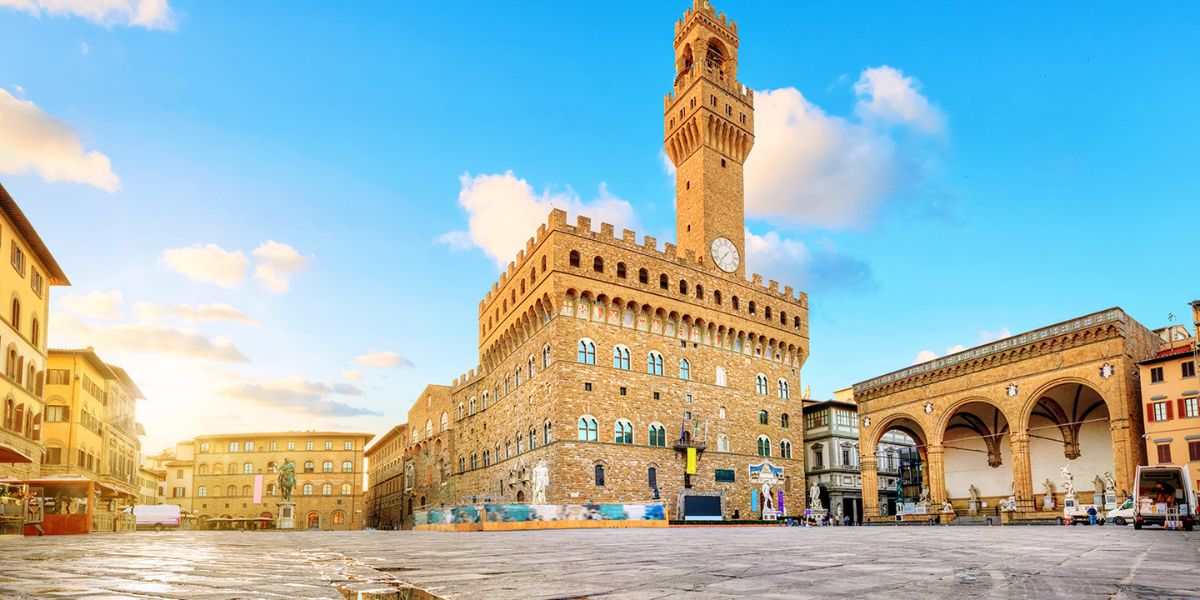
10	455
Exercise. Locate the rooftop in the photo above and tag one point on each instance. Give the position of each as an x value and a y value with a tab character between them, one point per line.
54	273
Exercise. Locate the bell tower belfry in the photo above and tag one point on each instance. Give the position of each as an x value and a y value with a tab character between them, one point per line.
709	130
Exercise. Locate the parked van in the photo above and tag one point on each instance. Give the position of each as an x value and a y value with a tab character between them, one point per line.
1121	515
1163	493
156	516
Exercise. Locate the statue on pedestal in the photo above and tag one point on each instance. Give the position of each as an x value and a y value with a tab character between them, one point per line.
924	499
1098	485
974	491
1048	500
768	497
814	497
1111	483
947	507
541	480
1068	480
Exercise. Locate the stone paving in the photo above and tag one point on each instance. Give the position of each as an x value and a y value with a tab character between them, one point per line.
845	562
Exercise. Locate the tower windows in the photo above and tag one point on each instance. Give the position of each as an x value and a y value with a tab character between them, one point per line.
663	282
767	312
713	100
587	429
654	363
574	258
763	417
760	384
764	445
623	432
783	421
621	270
658	435
587	352
735	303
598	264
683	288
722	163
784	393
621	357
685	369
752	310
717	297
729	113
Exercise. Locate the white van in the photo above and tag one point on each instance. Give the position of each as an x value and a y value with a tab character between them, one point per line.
156	516
1163	494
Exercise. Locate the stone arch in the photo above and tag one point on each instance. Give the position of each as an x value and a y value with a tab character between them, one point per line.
1072	416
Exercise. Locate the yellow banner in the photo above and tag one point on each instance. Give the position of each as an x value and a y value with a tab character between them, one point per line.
691	461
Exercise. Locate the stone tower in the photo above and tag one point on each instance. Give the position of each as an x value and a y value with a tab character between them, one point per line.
709	130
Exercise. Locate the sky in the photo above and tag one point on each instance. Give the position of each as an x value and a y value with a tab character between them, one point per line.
283	215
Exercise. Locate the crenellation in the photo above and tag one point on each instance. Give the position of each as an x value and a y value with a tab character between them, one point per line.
629	237
650	243
606	231
669	250
583	224
773	286
757	279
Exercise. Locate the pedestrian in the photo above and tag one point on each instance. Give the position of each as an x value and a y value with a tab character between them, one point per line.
1091	512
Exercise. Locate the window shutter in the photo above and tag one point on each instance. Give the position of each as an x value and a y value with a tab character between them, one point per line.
1150	413
1182	409
1170	412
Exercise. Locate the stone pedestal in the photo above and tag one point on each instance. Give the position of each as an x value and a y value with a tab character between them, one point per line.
1110	500
1098	500
287	516
973	508
1048	502
1069	505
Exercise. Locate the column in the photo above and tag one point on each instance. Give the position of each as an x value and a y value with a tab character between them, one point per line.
870	485
1022	471
1125	455
937	474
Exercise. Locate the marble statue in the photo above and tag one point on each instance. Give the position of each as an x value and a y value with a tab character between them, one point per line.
924	499
974	491
1068	480
287	479
1112	483
1009	504
814	498
768	497
1049	485
1098	485
541	480
947	507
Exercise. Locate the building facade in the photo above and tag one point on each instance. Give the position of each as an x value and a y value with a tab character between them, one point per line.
234	482
611	359
832	457
177	466
1171	401
385	475
91	431
1005	417
27	279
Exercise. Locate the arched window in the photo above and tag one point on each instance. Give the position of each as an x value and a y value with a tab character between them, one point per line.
735	303
763	418
231	491
783	421
663	283
722	443
270	489
460	411
271	468
785	449
783	389
16	314
233	446
247	468
643	276
246	491
517	376
327	489
574	258
721	376
683	287
546	433
347	466
600	475
751	308
233	468
717	297
587	352
795	322
309	466
621	270
487	458
202	491
623	432
202	470
487	396
652	477
819	457
546	356
760	384
721	413
339	517
218	469
658	435
621	357
532	438
767	312
654	363
529	364
445	421
598	264
699	292
783	317
327	466
587	429
764	445
685	369
428	428
34	332
471	405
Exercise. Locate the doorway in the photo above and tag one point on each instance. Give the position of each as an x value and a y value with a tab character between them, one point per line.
314	520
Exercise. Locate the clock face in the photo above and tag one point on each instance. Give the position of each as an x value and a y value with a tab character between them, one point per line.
725	255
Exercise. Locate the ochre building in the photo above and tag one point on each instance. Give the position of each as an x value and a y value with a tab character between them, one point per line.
385	473
609	357
234	480
1171	400
25	282
1006	417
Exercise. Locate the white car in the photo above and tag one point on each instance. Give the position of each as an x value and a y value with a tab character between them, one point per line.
1121	515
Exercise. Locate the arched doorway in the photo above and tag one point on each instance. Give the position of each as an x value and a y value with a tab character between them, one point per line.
520	496
314	520
895	474
1068	425
977	454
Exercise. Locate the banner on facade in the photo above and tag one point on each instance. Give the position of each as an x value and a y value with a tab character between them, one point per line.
691	461
258	488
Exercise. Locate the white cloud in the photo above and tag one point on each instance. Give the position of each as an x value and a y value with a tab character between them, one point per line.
32	141
298	395
503	211
277	263
382	360
988	337
96	304
820	267
809	168
886	94
149	14
84	48
208	263
143	338
148	311
352	375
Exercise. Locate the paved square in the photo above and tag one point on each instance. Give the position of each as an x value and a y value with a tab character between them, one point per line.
849	562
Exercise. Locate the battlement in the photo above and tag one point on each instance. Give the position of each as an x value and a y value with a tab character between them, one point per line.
466	378
704	10
687	78
557	221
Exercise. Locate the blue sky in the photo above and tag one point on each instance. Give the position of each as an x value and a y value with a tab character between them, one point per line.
936	175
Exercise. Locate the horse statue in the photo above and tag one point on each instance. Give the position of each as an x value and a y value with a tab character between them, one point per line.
287	479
